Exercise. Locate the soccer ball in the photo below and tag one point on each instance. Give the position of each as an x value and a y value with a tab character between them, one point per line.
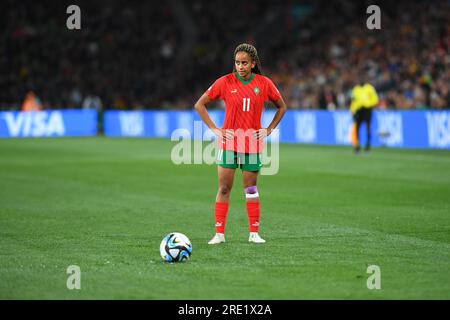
175	247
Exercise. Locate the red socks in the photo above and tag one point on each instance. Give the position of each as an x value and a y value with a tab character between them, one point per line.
221	211
253	213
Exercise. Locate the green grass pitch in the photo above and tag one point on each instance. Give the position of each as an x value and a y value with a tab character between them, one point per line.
105	204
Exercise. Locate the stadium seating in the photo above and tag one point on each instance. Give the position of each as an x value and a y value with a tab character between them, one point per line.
163	55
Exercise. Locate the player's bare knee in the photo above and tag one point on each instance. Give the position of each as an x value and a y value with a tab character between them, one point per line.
224	190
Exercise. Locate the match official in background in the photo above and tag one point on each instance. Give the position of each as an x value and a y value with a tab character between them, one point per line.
364	98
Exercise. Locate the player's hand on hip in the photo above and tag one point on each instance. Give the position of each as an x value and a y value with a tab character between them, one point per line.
224	134
262	133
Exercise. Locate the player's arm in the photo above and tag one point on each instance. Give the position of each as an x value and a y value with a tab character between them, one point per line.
281	110
200	107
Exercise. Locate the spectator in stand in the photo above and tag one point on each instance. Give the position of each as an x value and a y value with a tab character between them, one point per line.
315	53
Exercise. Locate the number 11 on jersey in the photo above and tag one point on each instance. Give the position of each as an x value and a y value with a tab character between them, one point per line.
246	104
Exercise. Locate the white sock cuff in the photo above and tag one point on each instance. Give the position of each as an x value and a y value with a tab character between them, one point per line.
252	195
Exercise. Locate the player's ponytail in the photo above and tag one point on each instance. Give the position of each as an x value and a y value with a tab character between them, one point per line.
251	50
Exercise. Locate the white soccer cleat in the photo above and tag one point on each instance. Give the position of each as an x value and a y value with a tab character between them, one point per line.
218	238
255	238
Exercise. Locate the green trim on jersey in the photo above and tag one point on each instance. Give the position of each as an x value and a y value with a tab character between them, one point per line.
242	80
233	160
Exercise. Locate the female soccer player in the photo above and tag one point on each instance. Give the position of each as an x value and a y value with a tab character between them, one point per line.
241	138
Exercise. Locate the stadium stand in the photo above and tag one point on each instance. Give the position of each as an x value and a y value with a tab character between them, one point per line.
145	55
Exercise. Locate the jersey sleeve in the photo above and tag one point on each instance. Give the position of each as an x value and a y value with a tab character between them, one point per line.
215	91
272	92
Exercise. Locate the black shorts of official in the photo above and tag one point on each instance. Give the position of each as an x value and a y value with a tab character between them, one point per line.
363	115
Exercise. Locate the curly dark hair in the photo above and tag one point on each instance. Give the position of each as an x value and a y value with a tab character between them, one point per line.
251	50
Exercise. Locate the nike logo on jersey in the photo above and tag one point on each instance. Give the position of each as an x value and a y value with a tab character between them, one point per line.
234	91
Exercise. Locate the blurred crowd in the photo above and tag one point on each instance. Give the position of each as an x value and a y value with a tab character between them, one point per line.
145	54
407	60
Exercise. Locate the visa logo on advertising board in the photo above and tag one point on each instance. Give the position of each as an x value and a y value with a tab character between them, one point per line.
342	124
438	125
161	124
390	127
305	127
131	123
34	124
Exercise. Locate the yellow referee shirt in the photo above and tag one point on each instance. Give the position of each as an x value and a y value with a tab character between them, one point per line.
363	97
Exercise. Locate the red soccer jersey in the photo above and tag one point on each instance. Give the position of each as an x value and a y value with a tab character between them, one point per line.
244	102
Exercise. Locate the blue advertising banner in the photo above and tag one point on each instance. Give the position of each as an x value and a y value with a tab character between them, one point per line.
401	129
50	123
